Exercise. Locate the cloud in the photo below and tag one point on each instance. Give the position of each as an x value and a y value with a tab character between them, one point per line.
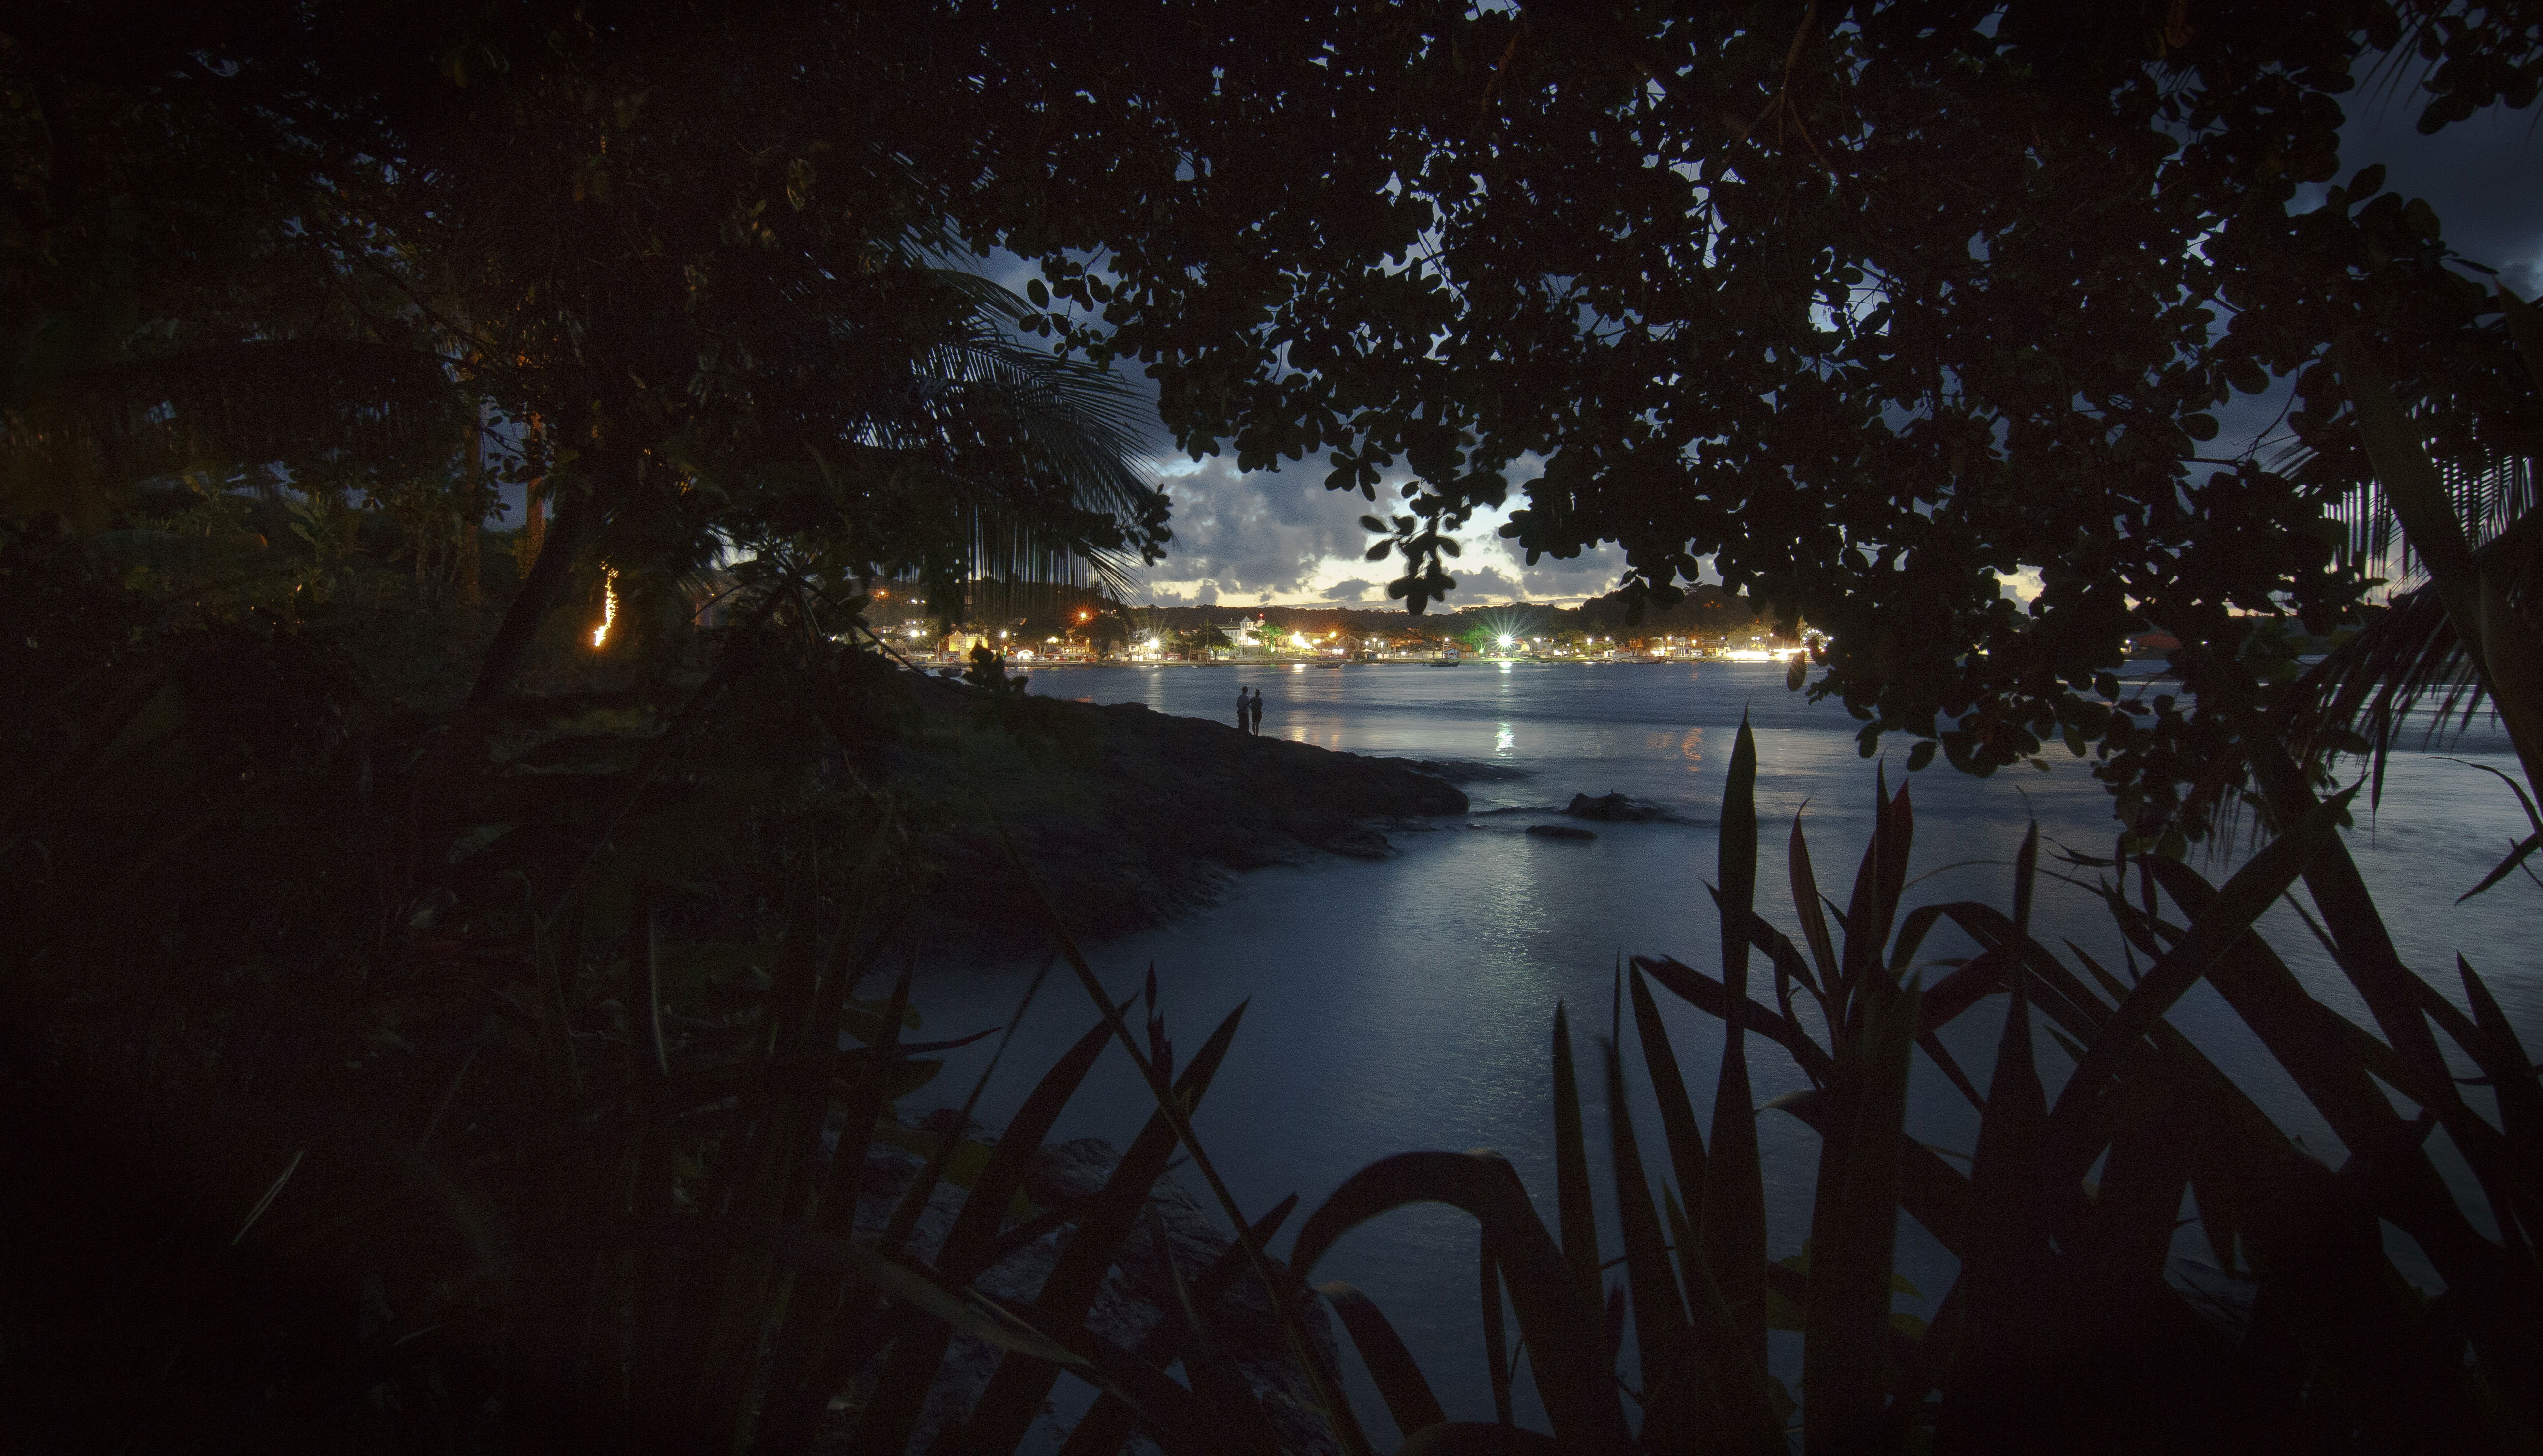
2484	176
1272	536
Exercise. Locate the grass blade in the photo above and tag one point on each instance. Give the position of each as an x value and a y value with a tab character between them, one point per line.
1730	1210
1998	1393
1497	1350
1277	1289
1017	1391
1561	1331
1576	1217
900	1394
2252	890
1398	1379
1669	1385
2509	1069
1111	1421
1807	908
1678	1111
1854	1226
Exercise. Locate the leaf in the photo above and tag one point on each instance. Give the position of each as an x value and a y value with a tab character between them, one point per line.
1206	1364
2502	1057
1678	1124
792	1244
1497	1350
2426	514
1391	1367
1561	1333
1806	906
1731	1209
900	1393
1576	1216
1105	1428
2252	890
1660	1333
1854	1223
1016	1390
1998	1392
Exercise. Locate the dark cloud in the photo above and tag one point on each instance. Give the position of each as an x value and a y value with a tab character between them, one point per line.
2484	176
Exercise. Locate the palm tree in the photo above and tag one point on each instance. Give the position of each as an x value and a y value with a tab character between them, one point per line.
2462	636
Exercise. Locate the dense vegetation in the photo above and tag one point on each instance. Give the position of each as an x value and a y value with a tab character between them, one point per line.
430	1028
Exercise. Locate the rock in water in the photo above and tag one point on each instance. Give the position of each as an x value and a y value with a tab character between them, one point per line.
1612	809
1462	771
1559	832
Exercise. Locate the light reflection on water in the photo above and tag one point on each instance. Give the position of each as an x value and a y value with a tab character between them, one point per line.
1408	1004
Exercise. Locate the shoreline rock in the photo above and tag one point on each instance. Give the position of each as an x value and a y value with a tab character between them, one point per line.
1613	809
1461	770
1130	818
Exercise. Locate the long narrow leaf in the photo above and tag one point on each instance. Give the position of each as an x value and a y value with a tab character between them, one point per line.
900	1394
1854	1228
1678	1111
1998	1393
1730	1214
1659	1310
1399	1380
1562	1335
1017	1391
2252	890
1575	1216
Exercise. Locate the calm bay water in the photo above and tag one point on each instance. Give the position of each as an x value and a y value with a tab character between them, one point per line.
1409	1004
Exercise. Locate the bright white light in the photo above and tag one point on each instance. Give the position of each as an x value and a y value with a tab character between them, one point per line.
1506	642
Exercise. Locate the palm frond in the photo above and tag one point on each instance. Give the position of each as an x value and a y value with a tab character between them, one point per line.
2363	695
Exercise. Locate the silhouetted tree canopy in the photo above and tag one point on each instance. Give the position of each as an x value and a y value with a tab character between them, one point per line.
1862	305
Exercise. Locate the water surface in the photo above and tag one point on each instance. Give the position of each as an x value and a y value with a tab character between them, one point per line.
1408	1004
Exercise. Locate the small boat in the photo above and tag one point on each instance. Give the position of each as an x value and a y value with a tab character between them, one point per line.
1328	665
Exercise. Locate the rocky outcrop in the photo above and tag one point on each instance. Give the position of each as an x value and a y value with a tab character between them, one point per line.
1613	809
1131	817
1559	832
1462	771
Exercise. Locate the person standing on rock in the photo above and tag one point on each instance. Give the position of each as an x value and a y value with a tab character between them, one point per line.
1244	708
1255	727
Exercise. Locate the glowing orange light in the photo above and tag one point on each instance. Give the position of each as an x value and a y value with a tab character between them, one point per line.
608	608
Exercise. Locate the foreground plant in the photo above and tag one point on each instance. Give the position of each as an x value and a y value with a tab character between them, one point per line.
2064	1330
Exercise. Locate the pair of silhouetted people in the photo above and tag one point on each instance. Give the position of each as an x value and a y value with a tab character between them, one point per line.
1249	710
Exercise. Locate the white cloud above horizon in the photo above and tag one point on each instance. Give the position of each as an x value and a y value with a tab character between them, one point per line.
1255	538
